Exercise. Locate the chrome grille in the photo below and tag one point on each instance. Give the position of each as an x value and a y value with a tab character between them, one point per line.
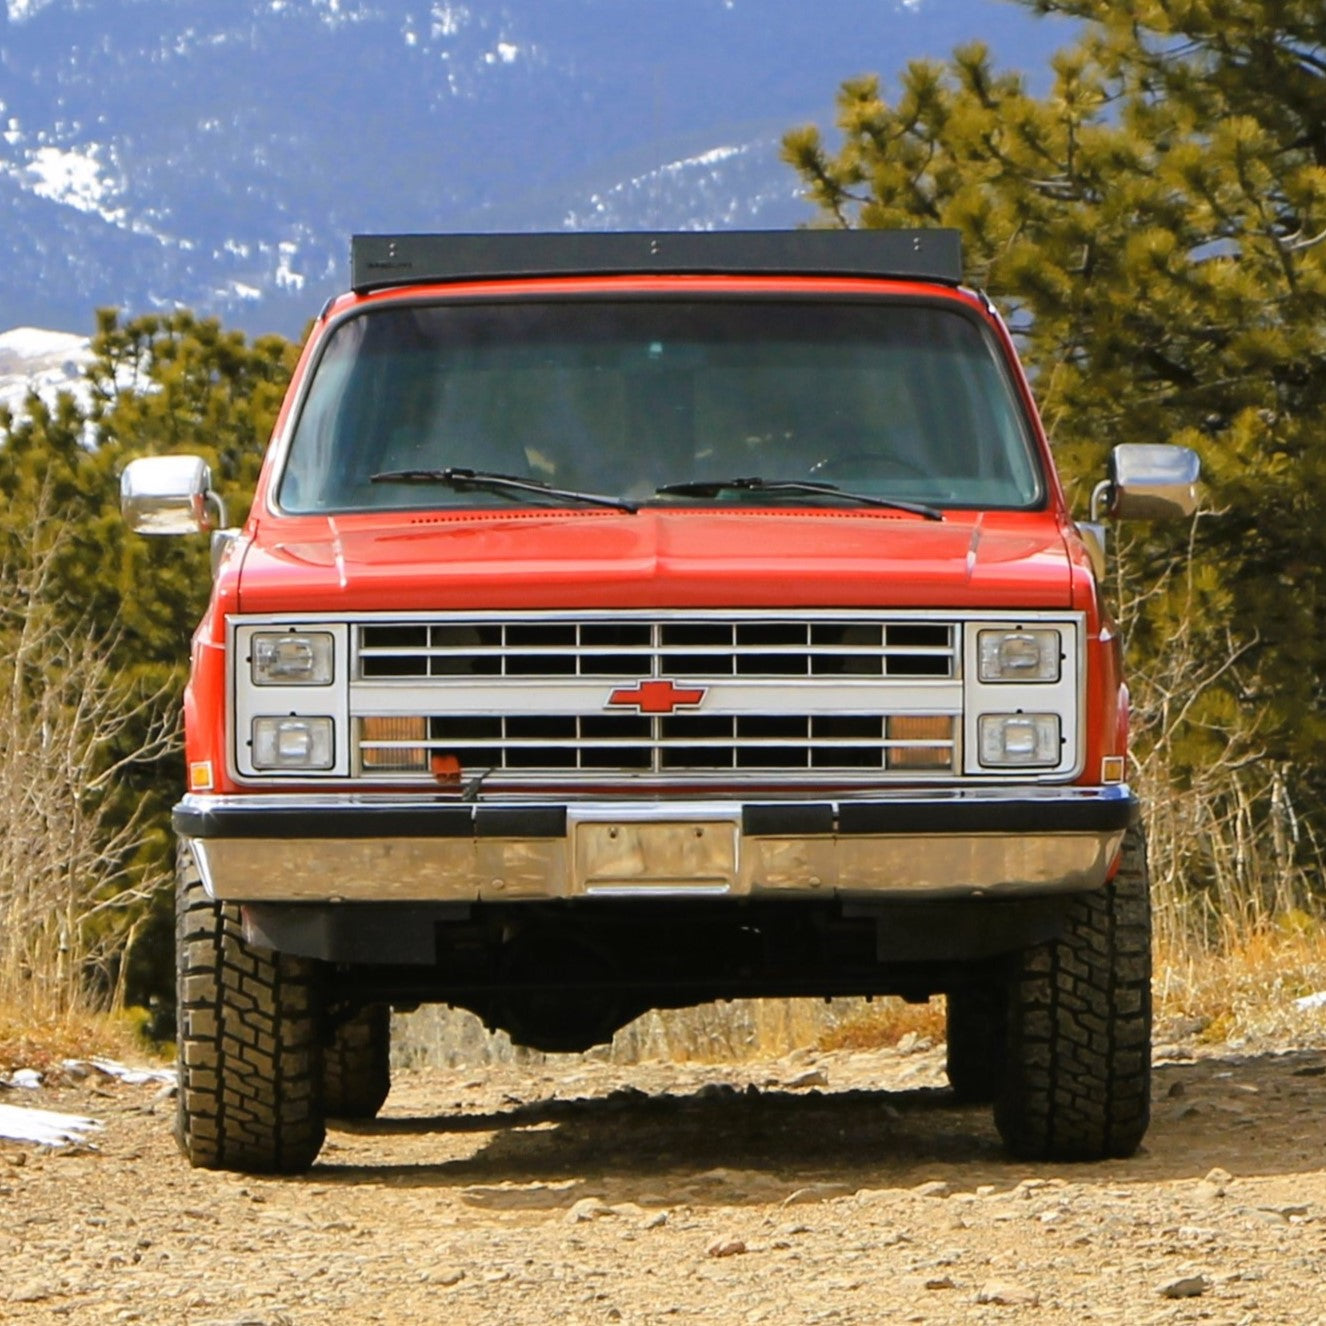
863	696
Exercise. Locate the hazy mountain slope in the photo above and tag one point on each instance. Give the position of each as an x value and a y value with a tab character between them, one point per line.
160	151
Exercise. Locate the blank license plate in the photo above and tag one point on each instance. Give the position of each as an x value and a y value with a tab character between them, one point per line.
687	856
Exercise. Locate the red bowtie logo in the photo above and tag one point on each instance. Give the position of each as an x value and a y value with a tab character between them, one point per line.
656	697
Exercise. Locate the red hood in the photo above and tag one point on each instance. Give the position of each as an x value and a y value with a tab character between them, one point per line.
656	558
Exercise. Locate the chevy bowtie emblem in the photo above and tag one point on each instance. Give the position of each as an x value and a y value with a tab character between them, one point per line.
656	697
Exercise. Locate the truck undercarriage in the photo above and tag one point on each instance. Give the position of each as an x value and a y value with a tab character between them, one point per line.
565	977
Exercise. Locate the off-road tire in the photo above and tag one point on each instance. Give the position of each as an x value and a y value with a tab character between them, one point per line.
1077	1083
976	1051
356	1065
250	1053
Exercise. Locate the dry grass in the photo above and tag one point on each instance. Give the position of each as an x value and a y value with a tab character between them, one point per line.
1249	988
1245	992
44	1044
885	1023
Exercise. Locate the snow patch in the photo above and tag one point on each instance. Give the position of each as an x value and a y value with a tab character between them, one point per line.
286	277
19	1123
135	1077
1309	1002
448	19
22	10
721	188
44	362
603	206
338	13
74	179
710	158
35	343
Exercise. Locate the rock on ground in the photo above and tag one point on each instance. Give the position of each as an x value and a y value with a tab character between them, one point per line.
594	1192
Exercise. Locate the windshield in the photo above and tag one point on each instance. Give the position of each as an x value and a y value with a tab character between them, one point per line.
891	400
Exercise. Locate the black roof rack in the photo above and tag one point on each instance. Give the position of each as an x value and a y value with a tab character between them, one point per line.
379	262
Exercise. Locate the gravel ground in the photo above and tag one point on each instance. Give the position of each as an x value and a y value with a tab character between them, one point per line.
820	1187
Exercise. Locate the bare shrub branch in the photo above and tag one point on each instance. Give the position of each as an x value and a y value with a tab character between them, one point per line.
1229	854
70	873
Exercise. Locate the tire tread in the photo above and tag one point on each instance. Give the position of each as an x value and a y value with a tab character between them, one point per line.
249	1051
1078	1081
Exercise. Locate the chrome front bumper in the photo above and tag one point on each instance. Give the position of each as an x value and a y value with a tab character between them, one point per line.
905	844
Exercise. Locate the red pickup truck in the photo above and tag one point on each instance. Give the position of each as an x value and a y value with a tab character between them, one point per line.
627	621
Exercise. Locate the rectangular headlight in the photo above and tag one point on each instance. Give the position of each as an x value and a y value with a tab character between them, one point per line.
292	743
292	658
1019	655
1019	740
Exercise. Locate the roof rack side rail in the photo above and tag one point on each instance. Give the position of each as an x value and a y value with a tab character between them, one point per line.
380	262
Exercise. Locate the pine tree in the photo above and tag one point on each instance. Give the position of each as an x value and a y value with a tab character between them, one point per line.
156	385
1155	228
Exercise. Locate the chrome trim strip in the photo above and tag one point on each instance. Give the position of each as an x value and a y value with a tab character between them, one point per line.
727	695
561	616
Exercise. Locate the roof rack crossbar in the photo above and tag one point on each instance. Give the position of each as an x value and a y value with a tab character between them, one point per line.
379	262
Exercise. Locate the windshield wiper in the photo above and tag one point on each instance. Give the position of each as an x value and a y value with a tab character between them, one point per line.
793	487
464	480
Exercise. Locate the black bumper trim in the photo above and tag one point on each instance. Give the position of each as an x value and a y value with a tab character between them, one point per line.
787	819
366	821
998	816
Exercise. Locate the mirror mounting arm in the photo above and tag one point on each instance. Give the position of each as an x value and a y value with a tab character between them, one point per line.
218	506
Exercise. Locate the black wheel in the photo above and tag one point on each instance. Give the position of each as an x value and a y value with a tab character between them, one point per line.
1077	1084
250	1055
977	1021
356	1065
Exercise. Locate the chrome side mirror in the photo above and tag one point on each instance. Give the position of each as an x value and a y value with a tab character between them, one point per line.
170	495
1148	481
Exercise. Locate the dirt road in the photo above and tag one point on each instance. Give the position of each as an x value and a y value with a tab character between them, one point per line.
836	1187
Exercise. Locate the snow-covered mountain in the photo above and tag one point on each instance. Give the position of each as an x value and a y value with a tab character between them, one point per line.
44	362
162	152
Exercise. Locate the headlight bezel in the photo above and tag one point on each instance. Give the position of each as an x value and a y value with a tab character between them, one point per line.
299	698
1054	685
